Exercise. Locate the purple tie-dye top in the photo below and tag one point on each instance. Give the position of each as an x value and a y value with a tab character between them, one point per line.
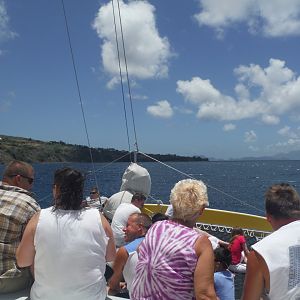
166	265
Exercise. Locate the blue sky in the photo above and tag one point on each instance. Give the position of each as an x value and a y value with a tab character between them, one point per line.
218	78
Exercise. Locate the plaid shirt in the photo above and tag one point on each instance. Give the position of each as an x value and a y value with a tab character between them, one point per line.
16	208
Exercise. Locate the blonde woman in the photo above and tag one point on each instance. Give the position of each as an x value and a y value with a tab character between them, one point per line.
175	262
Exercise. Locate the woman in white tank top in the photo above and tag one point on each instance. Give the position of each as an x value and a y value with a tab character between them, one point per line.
68	245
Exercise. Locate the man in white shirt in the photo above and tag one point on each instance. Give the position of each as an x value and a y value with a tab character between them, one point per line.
273	267
122	214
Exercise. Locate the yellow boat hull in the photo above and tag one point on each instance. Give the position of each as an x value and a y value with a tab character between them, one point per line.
221	218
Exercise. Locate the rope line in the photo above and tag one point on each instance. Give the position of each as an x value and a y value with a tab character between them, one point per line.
210	186
78	91
121	78
105	166
127	76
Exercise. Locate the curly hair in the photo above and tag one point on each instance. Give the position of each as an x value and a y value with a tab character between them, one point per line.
188	197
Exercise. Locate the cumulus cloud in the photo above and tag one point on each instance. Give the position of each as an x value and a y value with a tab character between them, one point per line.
5	31
229	127
269	18
147	53
261	92
270	120
250	137
286	131
162	109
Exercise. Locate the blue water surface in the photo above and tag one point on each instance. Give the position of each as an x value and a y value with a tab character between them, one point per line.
232	185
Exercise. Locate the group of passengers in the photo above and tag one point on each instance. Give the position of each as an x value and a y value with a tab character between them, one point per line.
68	251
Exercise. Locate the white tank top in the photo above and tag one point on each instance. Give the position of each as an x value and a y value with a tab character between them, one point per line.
70	260
281	252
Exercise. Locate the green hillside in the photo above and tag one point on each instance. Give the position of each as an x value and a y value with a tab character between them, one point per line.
30	150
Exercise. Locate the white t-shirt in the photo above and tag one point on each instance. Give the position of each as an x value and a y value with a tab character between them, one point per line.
70	254
281	252
119	221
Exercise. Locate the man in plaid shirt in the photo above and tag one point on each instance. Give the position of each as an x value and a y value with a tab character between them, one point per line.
17	206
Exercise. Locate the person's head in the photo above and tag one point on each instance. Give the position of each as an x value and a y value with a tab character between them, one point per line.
236	231
159	217
188	198
137	226
138	199
68	189
20	174
222	258
94	193
282	202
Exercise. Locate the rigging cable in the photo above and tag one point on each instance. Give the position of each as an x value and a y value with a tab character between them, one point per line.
79	93
121	78
214	188
127	76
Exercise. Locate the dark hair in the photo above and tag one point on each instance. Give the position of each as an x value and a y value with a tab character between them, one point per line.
159	217
70	183
138	196
17	167
235	232
223	255
282	201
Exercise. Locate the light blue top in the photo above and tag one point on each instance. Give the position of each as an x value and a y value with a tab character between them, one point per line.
132	246
224	285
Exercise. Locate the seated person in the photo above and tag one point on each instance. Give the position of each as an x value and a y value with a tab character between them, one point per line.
95	200
126	258
237	246
136	179
122	214
67	245
223	278
174	261
16	209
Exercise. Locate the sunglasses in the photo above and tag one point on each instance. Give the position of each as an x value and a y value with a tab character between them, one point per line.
92	193
29	179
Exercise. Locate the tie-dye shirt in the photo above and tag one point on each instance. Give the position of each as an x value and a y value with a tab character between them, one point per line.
166	265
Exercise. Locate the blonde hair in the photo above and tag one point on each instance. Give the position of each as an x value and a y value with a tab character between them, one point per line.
188	197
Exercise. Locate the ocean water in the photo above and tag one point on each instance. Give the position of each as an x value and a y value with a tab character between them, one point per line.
232	185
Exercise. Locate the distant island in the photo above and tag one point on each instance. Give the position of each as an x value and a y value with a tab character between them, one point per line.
32	151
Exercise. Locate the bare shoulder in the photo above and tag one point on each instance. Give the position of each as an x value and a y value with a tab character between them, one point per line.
202	244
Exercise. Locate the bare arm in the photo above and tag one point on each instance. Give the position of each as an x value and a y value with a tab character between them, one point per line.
26	251
246	250
118	266
111	248
254	280
204	272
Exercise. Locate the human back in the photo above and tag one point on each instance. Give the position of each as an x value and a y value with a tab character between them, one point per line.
174	261
71	245
273	265
169	249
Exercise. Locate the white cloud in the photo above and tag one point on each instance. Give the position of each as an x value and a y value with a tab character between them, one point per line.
229	127
250	137
286	131
264	93
162	109
270	120
147	53
5	31
270	18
